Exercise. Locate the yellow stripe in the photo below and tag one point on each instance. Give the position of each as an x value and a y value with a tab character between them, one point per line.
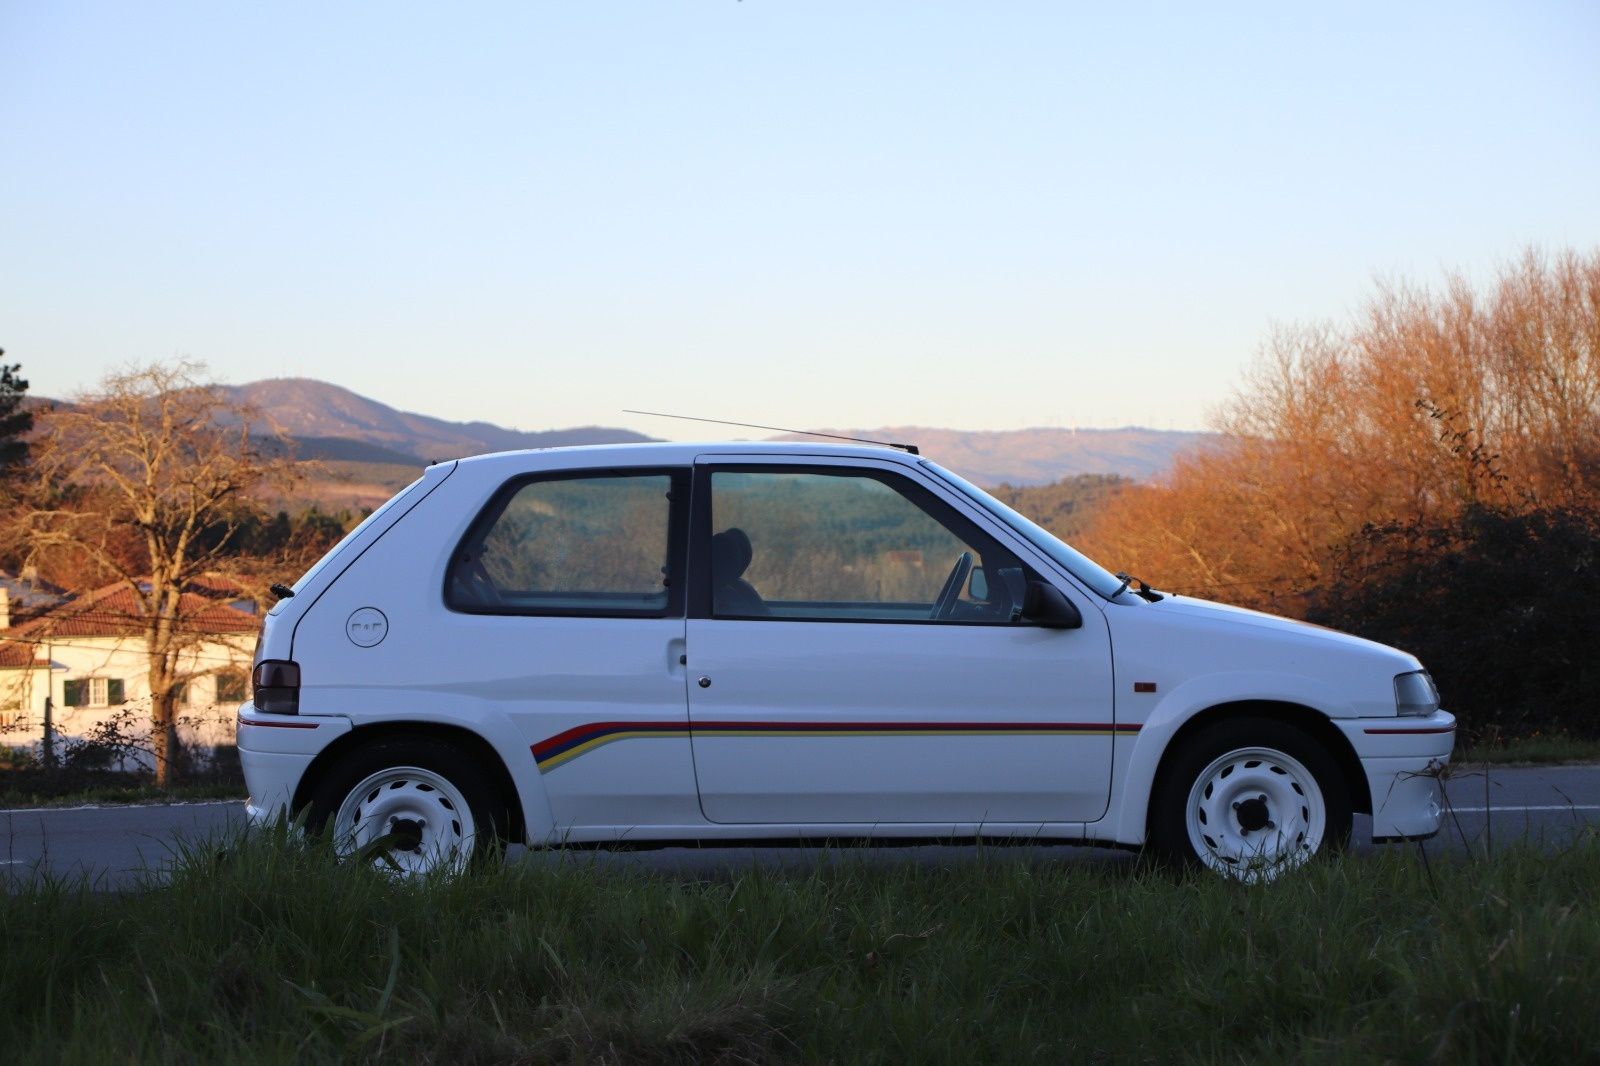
600	741
589	745
902	732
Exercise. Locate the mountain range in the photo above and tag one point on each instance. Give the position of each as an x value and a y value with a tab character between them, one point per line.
336	425
332	422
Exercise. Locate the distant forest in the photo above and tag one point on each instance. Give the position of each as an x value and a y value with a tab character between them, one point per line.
1066	507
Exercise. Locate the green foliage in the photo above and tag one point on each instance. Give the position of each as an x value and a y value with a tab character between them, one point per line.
15	420
1502	607
269	952
1543	750
254	535
1063	507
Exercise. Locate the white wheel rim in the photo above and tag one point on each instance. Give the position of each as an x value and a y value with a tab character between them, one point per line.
427	817
1255	813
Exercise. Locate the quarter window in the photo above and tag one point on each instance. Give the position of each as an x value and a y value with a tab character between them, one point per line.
570	545
851	546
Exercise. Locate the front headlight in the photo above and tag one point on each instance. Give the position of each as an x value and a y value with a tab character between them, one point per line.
1414	695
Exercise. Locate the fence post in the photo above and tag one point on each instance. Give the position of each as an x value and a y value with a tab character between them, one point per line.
49	734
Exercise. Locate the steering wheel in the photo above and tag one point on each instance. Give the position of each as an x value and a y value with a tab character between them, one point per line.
945	605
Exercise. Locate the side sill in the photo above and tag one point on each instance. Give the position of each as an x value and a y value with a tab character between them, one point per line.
719	843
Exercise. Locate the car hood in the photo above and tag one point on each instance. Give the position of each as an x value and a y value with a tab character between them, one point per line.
1226	615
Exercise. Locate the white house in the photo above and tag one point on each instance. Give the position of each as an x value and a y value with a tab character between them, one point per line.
83	660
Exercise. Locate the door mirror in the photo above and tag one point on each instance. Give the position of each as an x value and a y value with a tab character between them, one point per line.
1045	605
978	586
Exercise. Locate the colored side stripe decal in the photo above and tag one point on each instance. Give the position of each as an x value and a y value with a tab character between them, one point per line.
564	747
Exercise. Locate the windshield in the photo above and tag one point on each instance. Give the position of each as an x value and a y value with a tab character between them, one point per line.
1075	562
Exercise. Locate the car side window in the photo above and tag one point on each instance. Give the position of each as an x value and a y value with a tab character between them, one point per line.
593	544
851	545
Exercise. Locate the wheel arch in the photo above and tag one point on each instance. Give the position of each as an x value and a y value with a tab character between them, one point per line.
1133	825
499	774
1308	719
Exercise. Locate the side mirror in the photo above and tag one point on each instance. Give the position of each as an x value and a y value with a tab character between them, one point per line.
1045	605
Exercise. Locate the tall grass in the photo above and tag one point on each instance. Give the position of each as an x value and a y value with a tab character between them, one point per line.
269	952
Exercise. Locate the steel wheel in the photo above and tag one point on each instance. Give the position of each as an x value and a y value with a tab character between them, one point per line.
1255	813
408	820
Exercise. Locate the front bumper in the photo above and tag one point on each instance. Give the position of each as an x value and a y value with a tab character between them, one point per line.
1403	759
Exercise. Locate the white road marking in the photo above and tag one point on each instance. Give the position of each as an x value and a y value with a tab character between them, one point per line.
120	806
1548	807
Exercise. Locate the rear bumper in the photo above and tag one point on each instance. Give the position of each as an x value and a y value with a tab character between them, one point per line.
274	751
272	778
1403	759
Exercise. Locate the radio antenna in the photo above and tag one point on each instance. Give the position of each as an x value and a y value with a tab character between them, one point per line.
909	448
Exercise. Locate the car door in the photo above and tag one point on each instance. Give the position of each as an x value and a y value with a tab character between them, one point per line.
855	656
566	610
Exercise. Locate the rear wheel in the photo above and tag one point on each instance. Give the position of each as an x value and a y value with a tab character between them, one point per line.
1251	799
408	805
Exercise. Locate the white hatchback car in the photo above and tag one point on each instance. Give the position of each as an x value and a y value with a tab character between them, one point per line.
649	644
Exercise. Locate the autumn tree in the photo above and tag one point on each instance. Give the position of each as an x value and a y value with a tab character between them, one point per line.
1429	403
146	479
15	419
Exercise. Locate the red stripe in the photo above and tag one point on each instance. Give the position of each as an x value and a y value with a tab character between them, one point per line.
595	729
279	725
1414	731
907	725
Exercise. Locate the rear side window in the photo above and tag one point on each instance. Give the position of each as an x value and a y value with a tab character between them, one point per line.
596	544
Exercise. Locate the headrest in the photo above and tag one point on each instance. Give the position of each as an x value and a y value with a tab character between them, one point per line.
730	554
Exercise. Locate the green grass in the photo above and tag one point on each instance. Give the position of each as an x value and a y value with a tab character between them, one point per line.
270	953
111	794
1532	751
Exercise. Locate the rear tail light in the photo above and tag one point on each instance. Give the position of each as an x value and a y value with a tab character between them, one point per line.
276	686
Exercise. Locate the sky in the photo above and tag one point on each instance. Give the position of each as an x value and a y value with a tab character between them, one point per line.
976	215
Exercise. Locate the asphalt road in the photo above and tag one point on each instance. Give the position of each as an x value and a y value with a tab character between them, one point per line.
118	847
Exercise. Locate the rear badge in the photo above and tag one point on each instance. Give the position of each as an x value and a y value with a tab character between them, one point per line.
367	627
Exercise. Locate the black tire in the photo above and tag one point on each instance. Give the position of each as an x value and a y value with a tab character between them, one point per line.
1169	839
461	769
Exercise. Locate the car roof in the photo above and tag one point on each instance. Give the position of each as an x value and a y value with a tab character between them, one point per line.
671	453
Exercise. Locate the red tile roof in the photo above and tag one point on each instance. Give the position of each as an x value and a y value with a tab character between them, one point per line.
20	656
113	611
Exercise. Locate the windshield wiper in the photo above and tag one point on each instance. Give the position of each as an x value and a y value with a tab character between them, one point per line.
1144	591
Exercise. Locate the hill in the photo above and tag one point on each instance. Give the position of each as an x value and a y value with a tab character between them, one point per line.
333	422
375	444
1042	456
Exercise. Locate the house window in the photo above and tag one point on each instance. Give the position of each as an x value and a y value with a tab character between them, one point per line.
92	692
232	687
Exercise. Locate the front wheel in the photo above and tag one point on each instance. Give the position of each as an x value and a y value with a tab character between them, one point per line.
410	806
1251	799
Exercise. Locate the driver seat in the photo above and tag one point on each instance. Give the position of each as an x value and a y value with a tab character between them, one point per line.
731	594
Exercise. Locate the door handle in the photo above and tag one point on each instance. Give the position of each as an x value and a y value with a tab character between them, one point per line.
705	682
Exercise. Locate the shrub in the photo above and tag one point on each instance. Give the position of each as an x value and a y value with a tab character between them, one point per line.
1502	607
